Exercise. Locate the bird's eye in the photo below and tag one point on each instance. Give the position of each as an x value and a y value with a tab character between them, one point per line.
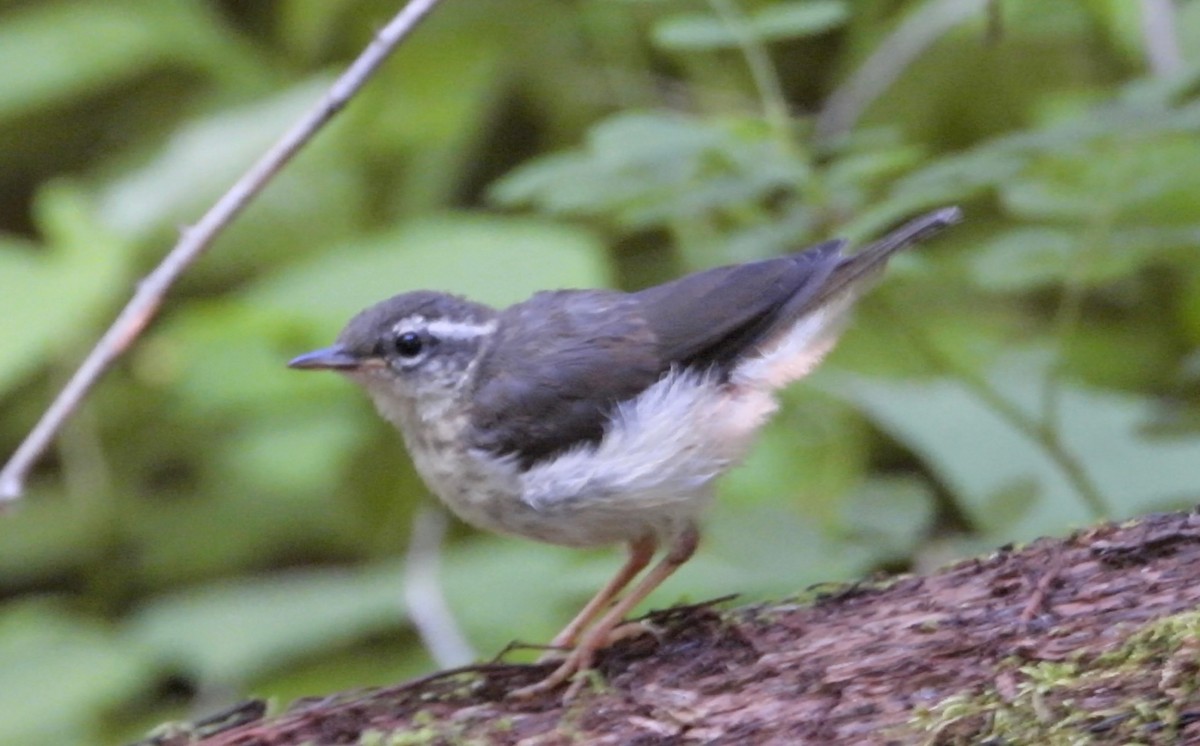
409	344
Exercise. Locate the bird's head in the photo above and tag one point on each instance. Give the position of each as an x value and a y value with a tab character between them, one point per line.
410	348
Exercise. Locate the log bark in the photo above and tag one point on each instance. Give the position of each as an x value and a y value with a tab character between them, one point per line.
1089	639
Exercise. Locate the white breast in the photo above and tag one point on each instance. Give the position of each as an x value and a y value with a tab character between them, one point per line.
653	470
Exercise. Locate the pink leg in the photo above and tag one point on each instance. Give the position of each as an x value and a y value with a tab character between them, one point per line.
640	553
580	659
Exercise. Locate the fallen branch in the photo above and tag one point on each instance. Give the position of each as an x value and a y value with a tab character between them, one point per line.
1103	651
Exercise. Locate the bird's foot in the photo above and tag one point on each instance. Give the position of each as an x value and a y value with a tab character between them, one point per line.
558	650
576	665
574	668
560	647
553	653
630	630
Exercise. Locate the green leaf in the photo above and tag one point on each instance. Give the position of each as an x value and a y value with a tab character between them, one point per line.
781	235
50	52
59	674
1025	258
228	633
774	22
287	456
766	550
54	295
212	373
889	517
1146	178
809	457
983	458
47	538
1189	304
490	259
435	130
313	200
1134	156
648	169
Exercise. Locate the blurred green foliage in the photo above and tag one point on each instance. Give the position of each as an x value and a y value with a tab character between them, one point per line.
213	526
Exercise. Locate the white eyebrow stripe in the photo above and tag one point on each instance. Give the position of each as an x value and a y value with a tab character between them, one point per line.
446	329
460	329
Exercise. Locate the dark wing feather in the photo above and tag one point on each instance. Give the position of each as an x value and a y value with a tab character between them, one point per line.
559	364
714	318
711	318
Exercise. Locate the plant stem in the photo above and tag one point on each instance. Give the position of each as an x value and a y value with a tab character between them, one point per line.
762	71
1047	437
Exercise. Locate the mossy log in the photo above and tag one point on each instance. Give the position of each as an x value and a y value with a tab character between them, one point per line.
1094	638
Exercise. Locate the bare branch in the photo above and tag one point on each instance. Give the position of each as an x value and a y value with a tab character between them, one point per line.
427	607
194	241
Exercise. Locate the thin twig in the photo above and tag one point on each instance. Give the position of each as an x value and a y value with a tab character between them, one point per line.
1048	438
914	35
1070	310
1041	590
194	241
427	607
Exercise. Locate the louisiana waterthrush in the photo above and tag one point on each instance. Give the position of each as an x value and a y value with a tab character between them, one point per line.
591	417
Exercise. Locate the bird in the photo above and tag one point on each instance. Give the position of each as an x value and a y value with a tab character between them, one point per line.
592	417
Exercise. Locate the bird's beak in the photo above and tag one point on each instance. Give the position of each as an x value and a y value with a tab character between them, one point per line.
329	358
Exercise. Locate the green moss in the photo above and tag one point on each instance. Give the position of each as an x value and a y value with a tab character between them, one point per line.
407	737
823	591
1132	694
503	725
423	729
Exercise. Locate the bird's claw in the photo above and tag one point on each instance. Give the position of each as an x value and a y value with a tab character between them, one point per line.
630	630
574	668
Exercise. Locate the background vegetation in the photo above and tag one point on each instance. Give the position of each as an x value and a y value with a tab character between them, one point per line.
213	526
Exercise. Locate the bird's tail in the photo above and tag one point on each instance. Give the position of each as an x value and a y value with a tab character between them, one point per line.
854	269
806	329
